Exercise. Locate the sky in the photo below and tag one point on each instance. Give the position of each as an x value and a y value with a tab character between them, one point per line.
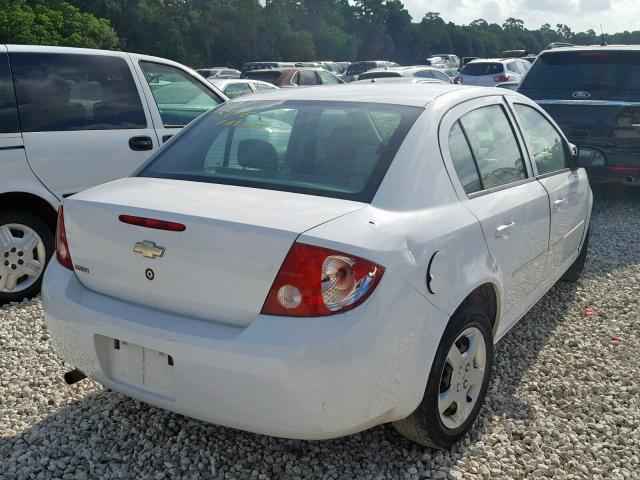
579	15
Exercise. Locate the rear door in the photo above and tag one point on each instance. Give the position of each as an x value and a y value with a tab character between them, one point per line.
568	189
175	95
82	117
10	137
497	185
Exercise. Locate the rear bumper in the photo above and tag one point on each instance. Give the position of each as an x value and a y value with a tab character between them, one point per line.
310	378
615	174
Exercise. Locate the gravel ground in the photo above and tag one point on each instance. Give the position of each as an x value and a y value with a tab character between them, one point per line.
564	400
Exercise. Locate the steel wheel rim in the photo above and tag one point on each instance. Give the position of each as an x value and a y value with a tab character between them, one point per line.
462	378
22	257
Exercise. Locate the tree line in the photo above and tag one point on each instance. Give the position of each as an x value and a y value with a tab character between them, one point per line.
203	33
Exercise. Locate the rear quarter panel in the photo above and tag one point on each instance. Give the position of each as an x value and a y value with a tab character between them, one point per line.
415	214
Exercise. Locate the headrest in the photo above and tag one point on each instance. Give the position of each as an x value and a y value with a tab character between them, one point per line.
254	153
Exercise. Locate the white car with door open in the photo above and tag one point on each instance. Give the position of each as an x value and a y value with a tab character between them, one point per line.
312	263
73	118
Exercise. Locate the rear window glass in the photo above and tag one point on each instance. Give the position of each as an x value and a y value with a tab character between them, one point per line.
366	75
268	76
586	70
478	69
358	68
333	149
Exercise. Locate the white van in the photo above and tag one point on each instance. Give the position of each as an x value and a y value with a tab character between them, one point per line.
71	119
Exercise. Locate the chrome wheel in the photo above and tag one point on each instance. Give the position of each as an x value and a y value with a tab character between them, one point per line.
22	257
462	378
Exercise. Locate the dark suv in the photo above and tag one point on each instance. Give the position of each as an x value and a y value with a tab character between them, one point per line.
593	93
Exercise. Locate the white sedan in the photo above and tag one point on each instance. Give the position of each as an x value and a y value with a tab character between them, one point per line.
353	269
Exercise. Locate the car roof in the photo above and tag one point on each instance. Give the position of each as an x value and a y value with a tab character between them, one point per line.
394	94
492	60
591	48
91	51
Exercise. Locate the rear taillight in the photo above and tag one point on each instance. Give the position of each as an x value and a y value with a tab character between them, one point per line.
458	79
501	78
315	281
62	247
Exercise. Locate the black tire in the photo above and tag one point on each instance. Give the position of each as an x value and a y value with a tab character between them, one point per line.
574	272
424	425
44	231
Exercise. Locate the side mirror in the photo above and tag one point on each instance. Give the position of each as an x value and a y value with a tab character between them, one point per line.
573	157
590	157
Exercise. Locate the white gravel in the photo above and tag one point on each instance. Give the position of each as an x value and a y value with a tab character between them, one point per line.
564	401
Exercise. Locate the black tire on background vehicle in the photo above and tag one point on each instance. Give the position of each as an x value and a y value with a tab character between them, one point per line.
426	425
574	272
15	225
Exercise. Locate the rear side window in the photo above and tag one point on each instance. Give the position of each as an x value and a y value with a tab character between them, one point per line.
544	143
333	149
307	77
586	70
179	96
463	161
8	111
263	86
478	69
327	78
494	146
58	92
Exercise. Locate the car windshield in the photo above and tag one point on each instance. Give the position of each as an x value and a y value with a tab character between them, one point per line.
333	149
482	68
586	70
358	68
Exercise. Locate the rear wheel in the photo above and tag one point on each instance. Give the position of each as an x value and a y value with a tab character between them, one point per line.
574	272
26	246
457	382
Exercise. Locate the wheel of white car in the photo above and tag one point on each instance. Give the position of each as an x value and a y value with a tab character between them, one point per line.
457	382
26	245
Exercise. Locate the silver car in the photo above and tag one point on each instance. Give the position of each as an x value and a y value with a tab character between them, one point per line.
233	88
421	71
490	72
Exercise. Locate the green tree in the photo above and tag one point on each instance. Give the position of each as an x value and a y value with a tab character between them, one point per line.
54	23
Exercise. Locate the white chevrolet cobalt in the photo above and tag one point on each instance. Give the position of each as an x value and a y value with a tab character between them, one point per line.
309	264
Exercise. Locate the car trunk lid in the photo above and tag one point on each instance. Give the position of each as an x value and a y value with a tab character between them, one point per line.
220	268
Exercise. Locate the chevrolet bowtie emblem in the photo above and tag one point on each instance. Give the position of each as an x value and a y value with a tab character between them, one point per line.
148	249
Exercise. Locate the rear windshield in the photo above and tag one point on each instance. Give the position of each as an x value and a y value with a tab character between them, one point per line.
586	70
478	69
332	149
268	76
358	68
258	66
382	74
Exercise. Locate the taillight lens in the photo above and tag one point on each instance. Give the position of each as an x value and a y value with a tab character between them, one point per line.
458	80
501	78
62	247
315	281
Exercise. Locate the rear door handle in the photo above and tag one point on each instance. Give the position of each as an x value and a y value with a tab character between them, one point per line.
139	144
503	230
